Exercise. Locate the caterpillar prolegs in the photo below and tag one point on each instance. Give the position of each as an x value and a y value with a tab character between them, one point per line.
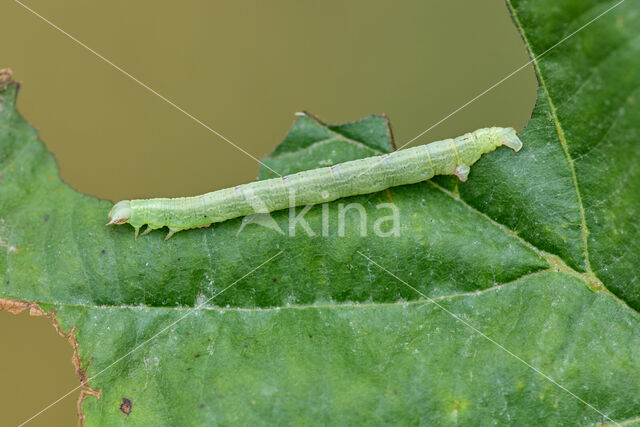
362	176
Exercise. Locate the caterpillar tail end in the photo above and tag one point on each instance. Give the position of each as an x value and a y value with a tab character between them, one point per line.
120	212
511	140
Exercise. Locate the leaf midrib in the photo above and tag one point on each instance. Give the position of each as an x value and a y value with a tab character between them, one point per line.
305	306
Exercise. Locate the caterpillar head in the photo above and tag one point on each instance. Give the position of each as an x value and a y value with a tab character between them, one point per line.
120	212
510	139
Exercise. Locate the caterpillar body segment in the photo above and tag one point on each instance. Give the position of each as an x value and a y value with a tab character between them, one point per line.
362	176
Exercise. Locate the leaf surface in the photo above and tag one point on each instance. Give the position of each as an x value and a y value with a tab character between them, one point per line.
511	298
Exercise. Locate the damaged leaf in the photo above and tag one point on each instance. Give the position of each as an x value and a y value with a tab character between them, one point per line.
511	299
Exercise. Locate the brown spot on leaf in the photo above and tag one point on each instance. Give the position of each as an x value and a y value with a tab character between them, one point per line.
388	194
125	406
201	405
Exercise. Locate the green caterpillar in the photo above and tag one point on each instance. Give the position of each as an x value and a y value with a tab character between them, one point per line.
368	175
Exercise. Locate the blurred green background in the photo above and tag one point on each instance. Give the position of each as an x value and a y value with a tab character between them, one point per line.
243	68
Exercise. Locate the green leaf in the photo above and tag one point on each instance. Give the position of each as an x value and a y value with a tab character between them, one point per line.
511	298
311	143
